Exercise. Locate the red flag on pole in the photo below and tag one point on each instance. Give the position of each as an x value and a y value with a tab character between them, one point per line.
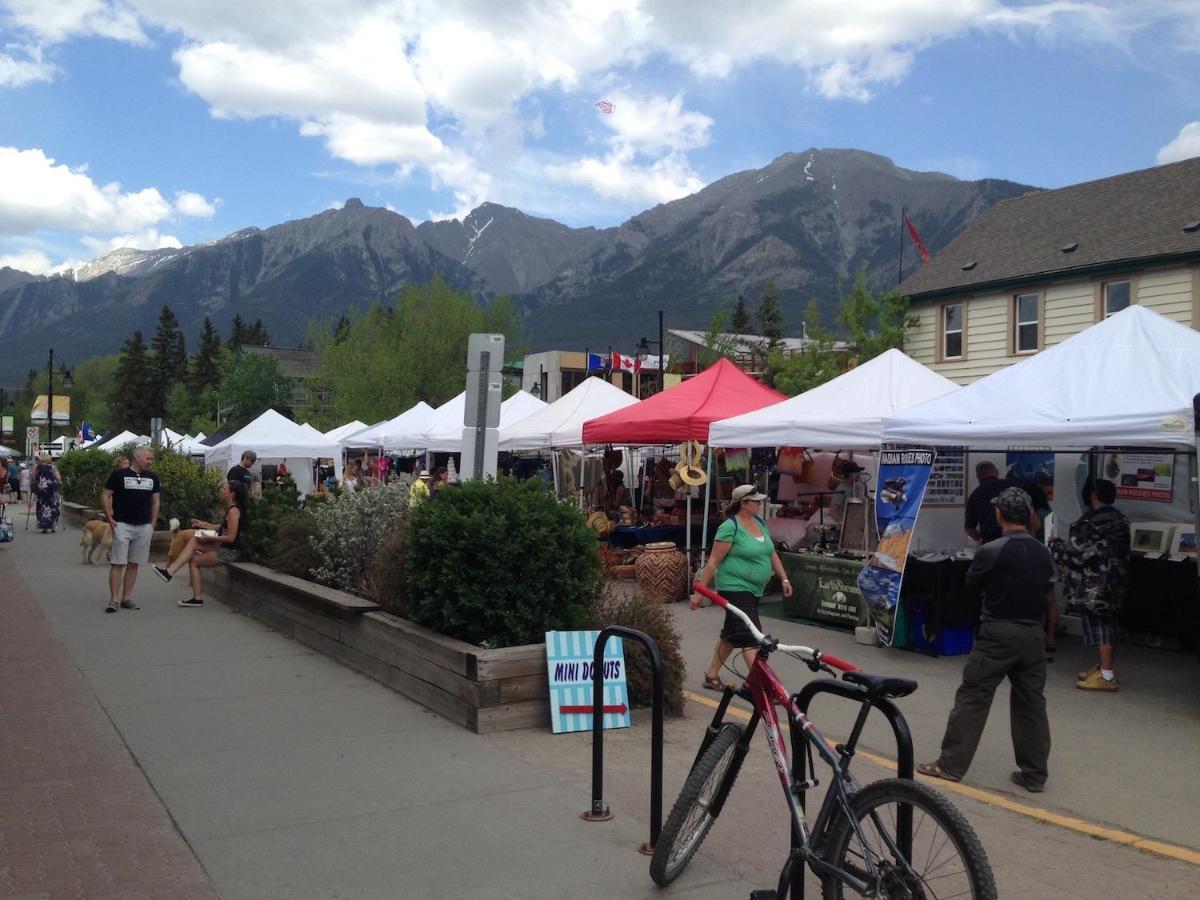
916	238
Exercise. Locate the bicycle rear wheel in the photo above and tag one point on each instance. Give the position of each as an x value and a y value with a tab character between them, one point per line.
693	814
947	859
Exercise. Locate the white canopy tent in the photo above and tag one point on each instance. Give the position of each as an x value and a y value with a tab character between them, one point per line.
1125	382
7	451
120	440
560	424
275	438
345	431
190	446
445	436
394	433
846	413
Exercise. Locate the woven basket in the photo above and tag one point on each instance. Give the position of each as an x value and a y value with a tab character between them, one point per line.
662	572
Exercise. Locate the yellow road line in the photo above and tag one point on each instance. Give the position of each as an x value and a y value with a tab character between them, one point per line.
1000	801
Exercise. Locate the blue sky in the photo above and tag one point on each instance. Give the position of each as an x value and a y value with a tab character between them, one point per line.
157	122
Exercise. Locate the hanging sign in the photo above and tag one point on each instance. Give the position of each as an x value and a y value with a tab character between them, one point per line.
1142	476
903	478
569	659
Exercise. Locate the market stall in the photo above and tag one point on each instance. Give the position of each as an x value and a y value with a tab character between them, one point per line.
277	439
1115	400
560	424
393	433
346	431
445	434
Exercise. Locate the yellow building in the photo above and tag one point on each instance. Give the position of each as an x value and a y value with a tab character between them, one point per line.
1034	270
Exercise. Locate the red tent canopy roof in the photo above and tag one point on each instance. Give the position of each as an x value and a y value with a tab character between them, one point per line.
684	412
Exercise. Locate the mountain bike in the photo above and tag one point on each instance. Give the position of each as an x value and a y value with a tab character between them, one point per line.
894	838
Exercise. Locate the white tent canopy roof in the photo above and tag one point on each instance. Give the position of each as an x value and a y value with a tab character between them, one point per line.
120	440
272	436
846	413
1125	382
400	428
560	424
445	435
344	431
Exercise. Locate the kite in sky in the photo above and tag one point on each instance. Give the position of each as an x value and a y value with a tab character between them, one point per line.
604	106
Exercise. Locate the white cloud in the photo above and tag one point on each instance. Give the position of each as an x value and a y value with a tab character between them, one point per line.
619	177
1186	145
143	239
61	19
23	65
194	205
655	124
33	261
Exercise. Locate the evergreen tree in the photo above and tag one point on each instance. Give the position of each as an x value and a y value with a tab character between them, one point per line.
131	396
739	322
256	335
237	333
170	359
206	364
770	316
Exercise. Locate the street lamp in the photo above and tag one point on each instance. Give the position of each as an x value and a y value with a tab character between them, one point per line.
67	382
644	348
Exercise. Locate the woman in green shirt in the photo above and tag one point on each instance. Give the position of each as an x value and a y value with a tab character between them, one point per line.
742	561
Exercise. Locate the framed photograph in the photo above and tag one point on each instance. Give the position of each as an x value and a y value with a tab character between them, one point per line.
1151	537
1185	540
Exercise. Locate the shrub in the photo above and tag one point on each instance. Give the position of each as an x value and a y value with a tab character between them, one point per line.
189	491
615	607
501	563
386	578
280	503
291	550
350	532
83	474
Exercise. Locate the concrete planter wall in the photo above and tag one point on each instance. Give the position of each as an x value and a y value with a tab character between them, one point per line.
483	690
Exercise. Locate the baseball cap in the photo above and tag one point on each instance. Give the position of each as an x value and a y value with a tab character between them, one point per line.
1014	504
747	492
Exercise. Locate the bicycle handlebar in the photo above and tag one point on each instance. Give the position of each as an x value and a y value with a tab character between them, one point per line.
815	657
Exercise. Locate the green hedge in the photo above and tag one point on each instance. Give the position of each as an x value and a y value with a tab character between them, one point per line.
501	563
188	489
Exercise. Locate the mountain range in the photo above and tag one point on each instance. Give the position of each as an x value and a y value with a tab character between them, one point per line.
808	220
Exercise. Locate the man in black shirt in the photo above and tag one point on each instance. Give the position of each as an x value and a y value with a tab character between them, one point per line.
1016	573
241	472
130	499
980	523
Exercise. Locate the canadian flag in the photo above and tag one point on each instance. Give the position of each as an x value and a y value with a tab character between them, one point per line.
626	363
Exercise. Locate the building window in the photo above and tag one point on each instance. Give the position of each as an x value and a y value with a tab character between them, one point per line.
952	331
1025	323
571	379
1115	296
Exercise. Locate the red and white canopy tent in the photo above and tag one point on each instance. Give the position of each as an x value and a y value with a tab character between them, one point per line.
684	413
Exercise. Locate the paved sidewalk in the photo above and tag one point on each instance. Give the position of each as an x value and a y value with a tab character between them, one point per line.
77	816
286	773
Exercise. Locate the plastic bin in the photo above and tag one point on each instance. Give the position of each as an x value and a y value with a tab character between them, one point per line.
947	642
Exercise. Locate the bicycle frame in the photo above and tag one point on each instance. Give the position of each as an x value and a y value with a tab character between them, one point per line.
765	691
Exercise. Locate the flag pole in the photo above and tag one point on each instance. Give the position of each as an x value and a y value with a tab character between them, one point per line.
900	250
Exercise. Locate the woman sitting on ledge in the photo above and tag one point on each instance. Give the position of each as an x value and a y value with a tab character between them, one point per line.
216	550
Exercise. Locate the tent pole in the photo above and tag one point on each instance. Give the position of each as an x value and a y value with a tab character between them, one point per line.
707	500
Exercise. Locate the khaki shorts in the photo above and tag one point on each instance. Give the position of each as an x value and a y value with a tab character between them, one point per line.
131	544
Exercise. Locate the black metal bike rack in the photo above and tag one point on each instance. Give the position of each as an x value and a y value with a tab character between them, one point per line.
904	761
599	811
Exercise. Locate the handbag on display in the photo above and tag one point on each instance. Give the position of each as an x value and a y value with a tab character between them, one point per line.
837	470
794	461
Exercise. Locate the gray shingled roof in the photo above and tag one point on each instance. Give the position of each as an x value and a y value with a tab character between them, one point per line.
1135	216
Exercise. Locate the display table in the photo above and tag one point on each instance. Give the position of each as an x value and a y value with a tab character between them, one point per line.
1164	600
825	589
626	536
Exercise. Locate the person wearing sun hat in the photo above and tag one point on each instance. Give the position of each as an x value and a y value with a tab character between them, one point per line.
419	492
742	561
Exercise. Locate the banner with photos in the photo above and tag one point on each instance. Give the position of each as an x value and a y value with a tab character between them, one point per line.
903	478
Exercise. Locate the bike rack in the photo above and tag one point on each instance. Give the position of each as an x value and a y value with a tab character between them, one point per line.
599	811
904	759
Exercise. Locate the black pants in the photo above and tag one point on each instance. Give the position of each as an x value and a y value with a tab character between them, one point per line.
1018	652
734	629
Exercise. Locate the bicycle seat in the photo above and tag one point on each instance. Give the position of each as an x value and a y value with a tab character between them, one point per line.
881	685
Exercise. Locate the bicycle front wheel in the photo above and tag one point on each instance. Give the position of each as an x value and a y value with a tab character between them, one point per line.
693	814
947	858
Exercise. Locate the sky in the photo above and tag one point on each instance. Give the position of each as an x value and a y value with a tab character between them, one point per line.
157	123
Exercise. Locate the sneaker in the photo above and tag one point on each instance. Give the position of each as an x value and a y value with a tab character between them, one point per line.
162	572
130	604
1095	682
191	601
112	607
1094	670
1018	778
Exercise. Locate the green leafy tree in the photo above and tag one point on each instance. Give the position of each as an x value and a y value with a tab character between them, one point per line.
90	397
388	359
873	323
130	397
251	383
739	321
170	358
717	342
205	369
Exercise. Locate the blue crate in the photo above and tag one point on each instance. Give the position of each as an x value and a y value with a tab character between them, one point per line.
947	642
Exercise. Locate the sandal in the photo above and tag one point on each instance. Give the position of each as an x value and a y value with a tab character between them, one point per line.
714	683
112	606
935	770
